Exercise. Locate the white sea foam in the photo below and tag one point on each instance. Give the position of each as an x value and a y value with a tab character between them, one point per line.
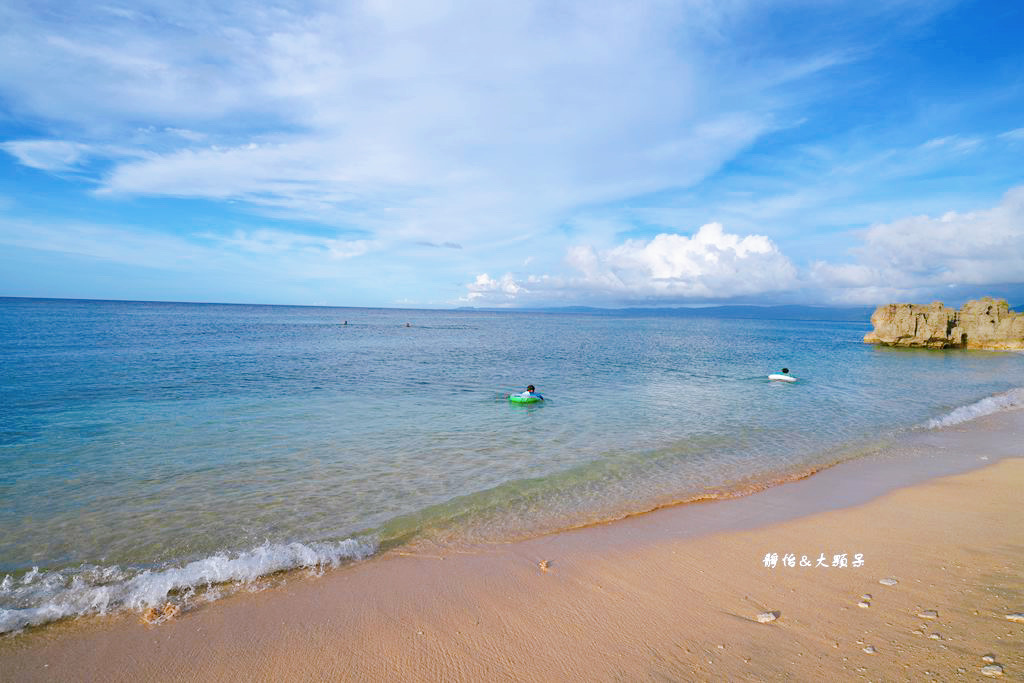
40	597
1013	398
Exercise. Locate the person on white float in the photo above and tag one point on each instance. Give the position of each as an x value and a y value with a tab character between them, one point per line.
783	377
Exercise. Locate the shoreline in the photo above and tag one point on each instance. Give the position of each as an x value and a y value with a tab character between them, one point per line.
632	597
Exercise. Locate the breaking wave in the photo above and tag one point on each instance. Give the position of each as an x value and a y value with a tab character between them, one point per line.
40	597
1013	398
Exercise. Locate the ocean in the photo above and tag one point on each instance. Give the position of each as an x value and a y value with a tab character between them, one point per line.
160	451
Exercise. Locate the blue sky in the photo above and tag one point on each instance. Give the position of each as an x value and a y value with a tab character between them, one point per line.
443	154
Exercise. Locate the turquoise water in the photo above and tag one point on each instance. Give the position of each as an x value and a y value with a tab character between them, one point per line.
151	449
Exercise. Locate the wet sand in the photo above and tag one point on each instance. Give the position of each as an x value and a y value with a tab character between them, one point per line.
675	594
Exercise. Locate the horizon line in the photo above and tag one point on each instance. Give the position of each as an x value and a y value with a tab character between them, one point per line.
451	308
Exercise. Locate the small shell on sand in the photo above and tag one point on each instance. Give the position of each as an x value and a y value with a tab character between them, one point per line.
544	565
864	603
888	582
989	658
866	596
157	615
1016	616
928	614
766	617
992	670
870	649
935	636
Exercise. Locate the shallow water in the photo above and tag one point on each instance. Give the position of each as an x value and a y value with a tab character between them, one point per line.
151	448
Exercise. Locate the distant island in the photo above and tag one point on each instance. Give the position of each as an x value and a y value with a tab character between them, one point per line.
858	314
986	323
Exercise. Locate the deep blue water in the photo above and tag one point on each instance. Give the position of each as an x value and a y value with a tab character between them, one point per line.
150	448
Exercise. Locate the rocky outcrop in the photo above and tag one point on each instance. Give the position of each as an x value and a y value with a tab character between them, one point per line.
983	324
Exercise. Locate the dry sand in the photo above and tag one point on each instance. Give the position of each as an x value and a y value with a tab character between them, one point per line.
643	598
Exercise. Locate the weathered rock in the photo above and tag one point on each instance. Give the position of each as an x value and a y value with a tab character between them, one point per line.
983	324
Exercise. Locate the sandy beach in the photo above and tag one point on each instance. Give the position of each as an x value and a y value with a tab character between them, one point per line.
683	593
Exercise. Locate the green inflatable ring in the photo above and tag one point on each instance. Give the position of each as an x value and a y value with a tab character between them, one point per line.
523	399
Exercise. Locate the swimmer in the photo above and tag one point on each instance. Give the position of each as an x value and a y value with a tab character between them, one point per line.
531	392
784	376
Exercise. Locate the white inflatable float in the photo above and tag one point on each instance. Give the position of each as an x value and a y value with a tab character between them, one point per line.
781	378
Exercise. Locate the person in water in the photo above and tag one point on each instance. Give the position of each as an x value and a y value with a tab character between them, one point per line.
785	371
531	391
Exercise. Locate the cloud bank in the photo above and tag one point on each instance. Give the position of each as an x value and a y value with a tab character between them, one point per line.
710	265
906	259
911	257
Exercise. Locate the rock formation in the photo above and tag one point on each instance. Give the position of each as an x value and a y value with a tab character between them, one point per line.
983	324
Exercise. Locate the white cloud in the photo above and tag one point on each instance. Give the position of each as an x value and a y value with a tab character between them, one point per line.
670	268
47	155
281	253
190	135
914	257
250	265
487	288
456	120
954	143
276	242
105	243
